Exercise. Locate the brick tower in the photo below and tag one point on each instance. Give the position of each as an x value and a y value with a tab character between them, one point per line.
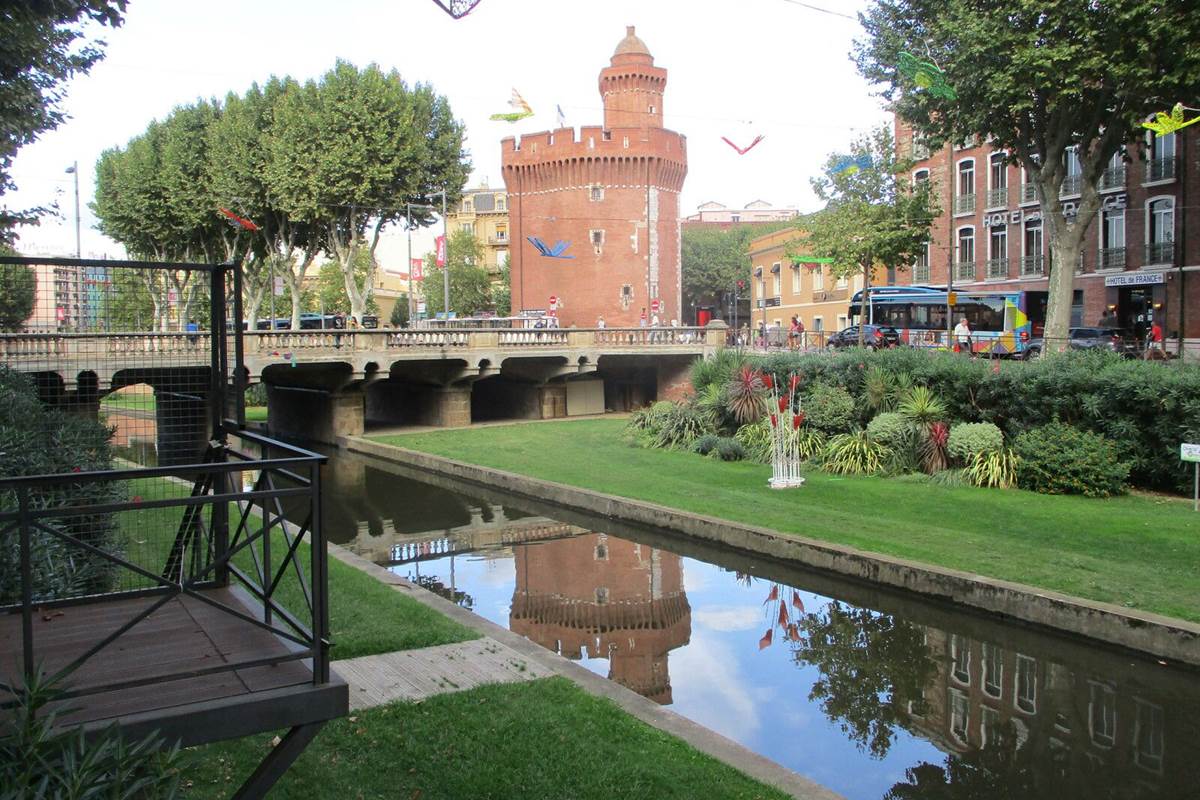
613	193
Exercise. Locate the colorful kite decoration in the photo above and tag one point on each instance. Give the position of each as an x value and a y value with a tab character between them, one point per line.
517	102
1169	123
743	150
851	164
241	222
457	8
926	75
556	251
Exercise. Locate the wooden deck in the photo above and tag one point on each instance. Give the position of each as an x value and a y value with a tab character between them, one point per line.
171	655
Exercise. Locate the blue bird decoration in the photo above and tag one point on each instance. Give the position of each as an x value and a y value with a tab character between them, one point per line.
550	252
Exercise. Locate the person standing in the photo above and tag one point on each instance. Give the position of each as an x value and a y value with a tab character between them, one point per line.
600	324
642	318
962	336
1155	346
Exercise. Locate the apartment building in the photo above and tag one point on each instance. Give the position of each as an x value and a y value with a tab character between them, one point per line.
1140	256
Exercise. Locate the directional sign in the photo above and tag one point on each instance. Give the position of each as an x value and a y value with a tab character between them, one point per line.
1189	452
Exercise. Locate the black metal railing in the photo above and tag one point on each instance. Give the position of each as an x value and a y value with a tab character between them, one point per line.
1159	253
158	534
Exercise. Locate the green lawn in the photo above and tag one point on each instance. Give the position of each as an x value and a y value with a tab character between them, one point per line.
1136	551
256	413
365	616
141	402
544	739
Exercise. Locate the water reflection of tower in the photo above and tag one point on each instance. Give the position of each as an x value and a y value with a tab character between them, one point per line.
610	598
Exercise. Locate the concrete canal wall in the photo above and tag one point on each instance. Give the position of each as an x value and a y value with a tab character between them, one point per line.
1152	634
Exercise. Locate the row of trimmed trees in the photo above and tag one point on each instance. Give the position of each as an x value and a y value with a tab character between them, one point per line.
319	167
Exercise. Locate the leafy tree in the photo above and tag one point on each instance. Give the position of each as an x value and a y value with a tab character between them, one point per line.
470	285
350	150
331	288
502	293
399	316
871	665
713	260
44	47
18	287
1038	77
874	216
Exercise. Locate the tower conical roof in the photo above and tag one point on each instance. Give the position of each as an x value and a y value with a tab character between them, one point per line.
631	45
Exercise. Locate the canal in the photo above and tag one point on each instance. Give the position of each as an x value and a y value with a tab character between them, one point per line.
871	692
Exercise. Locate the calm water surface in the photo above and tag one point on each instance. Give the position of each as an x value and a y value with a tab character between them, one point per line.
872	693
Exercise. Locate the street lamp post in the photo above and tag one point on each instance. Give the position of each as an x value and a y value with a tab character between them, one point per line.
73	170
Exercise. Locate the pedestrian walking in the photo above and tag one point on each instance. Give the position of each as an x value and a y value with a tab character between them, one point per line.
962	336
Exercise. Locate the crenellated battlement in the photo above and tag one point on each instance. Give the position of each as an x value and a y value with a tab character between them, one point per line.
593	140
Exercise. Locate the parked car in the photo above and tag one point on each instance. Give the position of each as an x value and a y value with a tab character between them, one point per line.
1118	340
876	336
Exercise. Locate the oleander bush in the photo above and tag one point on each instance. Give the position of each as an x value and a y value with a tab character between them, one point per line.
36	439
1061	459
969	439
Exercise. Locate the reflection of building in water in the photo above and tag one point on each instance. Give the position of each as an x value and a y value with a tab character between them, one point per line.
610	599
1085	724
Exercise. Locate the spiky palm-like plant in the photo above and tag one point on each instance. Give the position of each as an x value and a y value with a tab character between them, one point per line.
744	395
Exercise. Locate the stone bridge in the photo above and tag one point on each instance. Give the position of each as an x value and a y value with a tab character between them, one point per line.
326	384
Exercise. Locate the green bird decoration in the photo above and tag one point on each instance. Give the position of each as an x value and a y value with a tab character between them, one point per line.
926	75
1169	123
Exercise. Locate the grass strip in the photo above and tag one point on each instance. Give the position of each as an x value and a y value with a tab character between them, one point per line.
543	739
1137	551
365	616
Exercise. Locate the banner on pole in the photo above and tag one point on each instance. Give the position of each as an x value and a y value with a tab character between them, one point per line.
416	268
441	251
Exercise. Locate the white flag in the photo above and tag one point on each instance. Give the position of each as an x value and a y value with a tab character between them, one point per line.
562	118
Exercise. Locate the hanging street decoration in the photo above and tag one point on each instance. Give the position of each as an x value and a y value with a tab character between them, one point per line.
851	164
926	75
1169	123
457	8
741	151
812	262
241	222
557	251
523	109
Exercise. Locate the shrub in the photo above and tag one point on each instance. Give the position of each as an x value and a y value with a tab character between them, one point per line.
893	429
38	440
949	478
854	454
968	439
992	468
932	449
706	443
1145	408
716	371
678	427
921	406
730	449
256	395
744	395
755	438
1061	459
810	442
710	401
830	409
41	758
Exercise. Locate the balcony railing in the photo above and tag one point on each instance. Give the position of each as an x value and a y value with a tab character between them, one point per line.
497	240
920	273
964	204
1029	193
997	198
1071	185
1033	265
964	271
1160	253
771	302
1111	258
1160	169
1113	178
997	268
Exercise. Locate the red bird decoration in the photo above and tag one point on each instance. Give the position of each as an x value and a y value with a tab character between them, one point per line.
743	150
239	221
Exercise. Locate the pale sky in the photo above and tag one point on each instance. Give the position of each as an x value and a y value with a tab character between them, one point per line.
736	69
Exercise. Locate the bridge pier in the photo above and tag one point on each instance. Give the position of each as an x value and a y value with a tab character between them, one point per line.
674	377
315	414
182	426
